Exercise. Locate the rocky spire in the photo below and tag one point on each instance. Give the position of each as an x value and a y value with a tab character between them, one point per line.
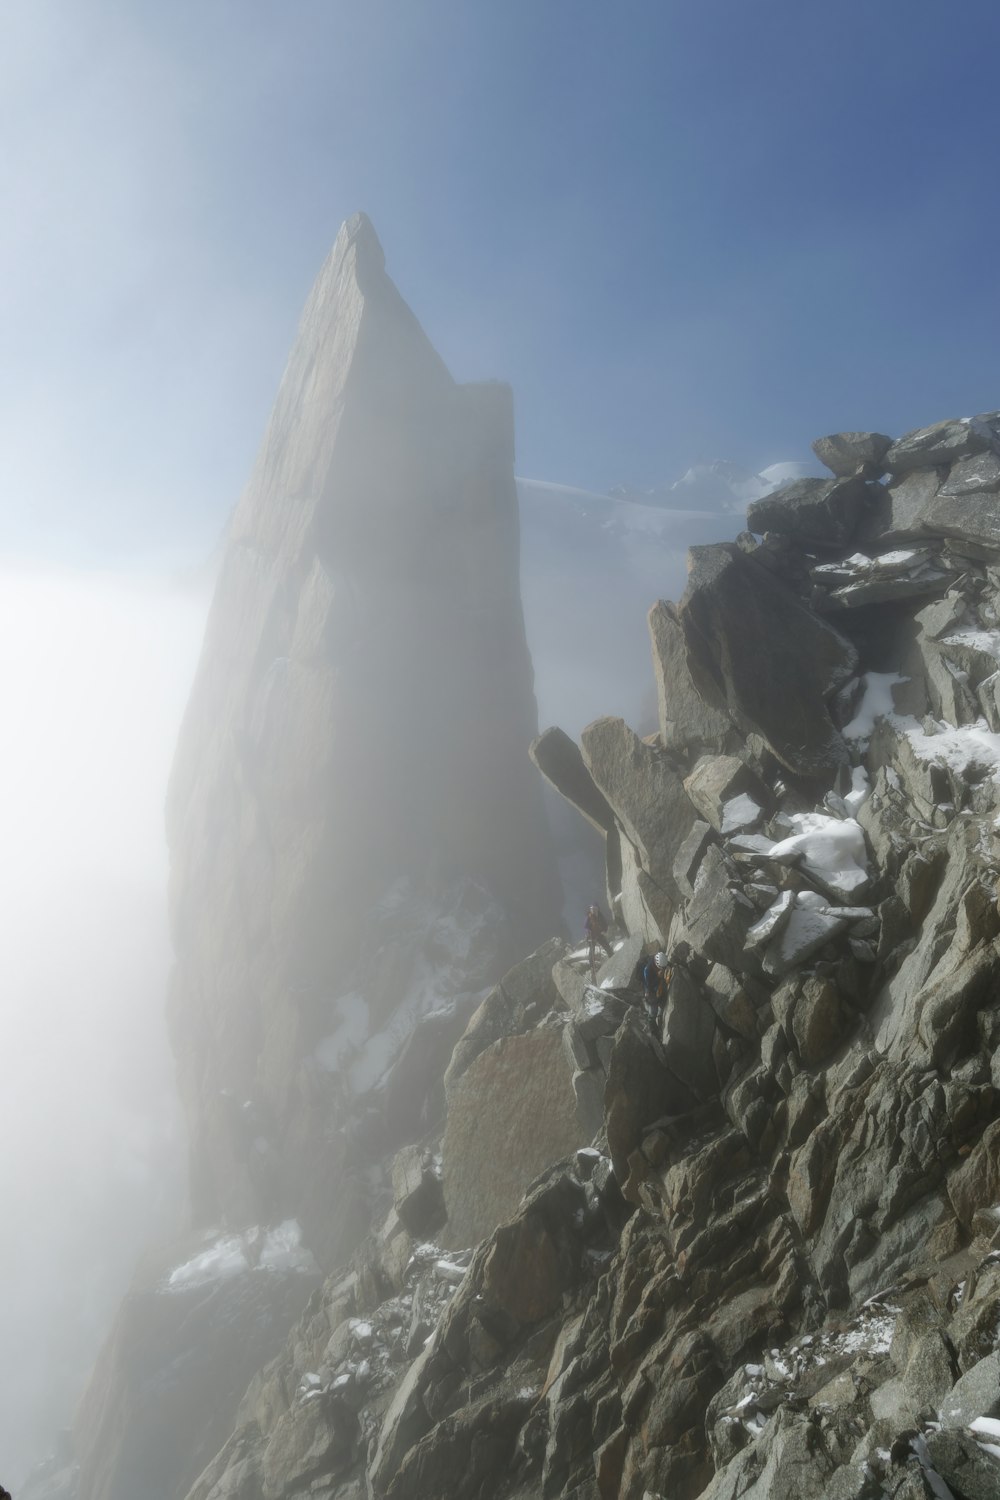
360	718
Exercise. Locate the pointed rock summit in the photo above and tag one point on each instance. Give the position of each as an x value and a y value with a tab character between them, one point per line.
357	733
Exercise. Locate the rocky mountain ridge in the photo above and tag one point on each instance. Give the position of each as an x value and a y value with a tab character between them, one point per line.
527	1247
774	1268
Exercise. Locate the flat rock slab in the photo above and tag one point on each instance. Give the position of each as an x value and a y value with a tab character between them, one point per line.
511	1114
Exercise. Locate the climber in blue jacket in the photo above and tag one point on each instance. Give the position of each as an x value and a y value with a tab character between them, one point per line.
656	975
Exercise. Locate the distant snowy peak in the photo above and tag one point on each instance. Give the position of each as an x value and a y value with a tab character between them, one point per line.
721	486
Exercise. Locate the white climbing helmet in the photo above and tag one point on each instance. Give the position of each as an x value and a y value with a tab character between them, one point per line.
660	960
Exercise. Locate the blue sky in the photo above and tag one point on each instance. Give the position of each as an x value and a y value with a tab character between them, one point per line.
682	229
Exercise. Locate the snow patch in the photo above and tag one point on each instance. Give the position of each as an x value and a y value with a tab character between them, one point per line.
225	1258
283	1249
860	789
876	703
279	1248
831	849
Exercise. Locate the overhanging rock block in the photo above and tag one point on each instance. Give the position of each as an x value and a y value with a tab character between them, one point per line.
560	762
844	453
766	658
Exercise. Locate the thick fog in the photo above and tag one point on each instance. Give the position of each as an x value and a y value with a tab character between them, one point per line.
95	669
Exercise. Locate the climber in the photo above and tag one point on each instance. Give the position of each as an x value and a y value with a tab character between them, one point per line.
655	987
596	930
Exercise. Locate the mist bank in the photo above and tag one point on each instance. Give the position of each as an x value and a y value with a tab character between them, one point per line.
95	668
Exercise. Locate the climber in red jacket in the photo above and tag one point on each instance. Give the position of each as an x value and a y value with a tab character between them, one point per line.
596	930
